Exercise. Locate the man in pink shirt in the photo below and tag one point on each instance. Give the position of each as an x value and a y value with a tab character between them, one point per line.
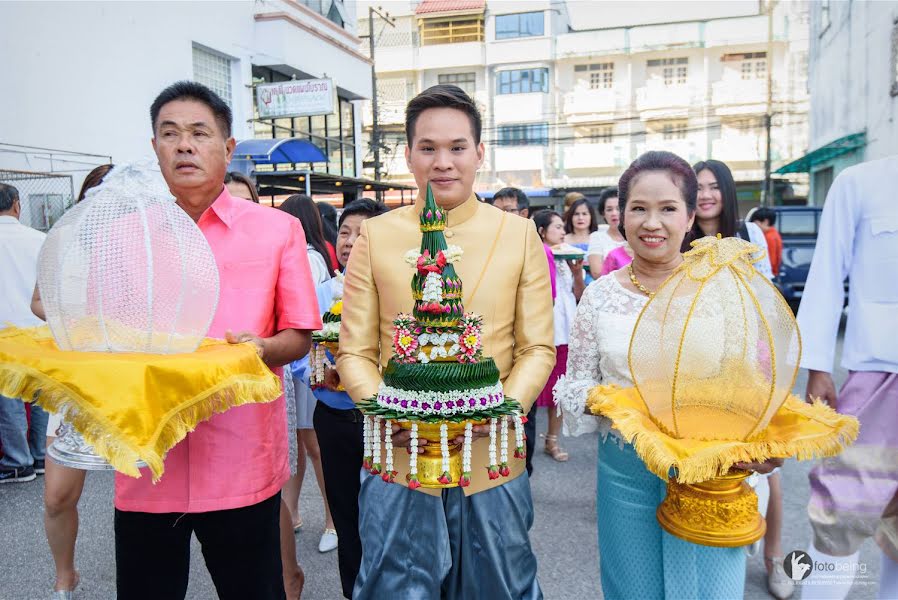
223	481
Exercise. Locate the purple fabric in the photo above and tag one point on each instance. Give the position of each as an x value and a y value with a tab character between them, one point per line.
851	493
616	259
553	272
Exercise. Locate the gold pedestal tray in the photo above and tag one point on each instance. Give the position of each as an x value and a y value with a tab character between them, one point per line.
720	512
430	462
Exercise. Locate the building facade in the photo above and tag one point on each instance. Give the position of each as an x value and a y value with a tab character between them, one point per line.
853	83
573	92
87	72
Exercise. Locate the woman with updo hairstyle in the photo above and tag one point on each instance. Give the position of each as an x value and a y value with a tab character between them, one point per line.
657	196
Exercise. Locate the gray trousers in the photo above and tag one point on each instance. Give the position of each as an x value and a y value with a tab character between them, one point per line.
422	547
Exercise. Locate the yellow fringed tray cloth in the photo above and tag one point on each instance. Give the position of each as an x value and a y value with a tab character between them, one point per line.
797	429
131	406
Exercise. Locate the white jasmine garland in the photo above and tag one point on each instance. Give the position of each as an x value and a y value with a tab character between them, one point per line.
466	449
388	443
413	458
366	437
453	254
423	358
518	431
411	257
503	442
375	438
390	397
492	442
444	446
433	288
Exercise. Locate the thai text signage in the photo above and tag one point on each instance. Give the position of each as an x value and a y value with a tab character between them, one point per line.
298	98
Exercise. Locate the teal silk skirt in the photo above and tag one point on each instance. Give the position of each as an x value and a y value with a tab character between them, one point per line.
640	560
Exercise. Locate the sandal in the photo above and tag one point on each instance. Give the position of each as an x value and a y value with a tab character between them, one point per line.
779	584
554	450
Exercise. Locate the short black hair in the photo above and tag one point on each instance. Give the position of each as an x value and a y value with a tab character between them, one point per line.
363	206
8	196
516	193
191	90
764	214
608	192
442	96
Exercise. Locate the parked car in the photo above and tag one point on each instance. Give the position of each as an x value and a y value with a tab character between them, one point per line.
798	226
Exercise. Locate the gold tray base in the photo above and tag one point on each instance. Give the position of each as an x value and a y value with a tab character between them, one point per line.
430	462
721	512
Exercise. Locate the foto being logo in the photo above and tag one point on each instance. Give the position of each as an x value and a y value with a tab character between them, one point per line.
798	565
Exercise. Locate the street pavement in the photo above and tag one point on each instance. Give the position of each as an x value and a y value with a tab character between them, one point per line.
564	534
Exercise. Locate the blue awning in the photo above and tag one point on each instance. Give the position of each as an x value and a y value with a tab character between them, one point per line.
278	151
824	154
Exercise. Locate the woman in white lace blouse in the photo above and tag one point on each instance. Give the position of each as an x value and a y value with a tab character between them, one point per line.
638	558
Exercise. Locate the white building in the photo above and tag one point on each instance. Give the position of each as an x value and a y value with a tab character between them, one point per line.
853	82
80	76
572	92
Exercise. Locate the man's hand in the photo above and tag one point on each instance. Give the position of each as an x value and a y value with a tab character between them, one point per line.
820	385
402	438
246	336
331	379
482	431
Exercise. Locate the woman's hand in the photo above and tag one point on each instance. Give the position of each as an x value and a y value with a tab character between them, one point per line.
763	467
576	268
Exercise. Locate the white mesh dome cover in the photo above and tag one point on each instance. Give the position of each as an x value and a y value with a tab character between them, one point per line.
126	270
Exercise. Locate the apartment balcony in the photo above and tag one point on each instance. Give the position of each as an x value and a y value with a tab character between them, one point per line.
591	105
655	100
738	97
592	156
586	43
519	158
739	148
441	56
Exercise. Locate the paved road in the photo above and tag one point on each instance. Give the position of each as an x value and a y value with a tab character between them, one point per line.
564	535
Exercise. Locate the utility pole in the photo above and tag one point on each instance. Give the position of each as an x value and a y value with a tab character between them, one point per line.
767	196
375	130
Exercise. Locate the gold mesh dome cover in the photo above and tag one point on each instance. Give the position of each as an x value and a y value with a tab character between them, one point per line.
715	351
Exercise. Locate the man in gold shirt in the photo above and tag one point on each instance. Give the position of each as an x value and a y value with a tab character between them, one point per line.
467	542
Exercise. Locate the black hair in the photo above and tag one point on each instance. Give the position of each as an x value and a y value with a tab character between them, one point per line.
363	206
729	214
542	219
569	216
607	193
8	196
328	221
238	177
517	194
764	214
442	96
658	160
191	90
303	208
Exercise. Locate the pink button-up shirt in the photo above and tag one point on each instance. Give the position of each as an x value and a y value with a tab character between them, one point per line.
238	458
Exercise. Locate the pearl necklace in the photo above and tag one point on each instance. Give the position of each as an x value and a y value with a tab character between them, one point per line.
636	283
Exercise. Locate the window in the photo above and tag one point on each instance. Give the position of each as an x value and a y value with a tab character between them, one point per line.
452	31
674	130
214	71
531	134
519	25
522	81
797	222
595	134
601	75
672	71
823	180
466	81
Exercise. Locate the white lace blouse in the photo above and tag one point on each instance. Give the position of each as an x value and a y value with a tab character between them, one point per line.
597	351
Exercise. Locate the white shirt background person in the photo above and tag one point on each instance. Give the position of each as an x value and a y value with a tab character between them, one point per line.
19	248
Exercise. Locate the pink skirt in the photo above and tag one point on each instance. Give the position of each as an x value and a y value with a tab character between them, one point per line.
545	397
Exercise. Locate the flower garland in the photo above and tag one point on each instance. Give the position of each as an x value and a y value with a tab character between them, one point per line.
451	255
389	474
367	453
433	290
503	449
465	479
445	478
405	337
432	402
375	461
520	450
413	482
493	469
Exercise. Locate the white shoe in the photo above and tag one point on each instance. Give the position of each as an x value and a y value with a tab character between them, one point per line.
779	584
328	541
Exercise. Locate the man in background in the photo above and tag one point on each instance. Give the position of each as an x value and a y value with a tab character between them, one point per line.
512	200
766	220
23	448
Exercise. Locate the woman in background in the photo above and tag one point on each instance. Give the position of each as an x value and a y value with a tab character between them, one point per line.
579	223
304	208
569	287
241	186
608	237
